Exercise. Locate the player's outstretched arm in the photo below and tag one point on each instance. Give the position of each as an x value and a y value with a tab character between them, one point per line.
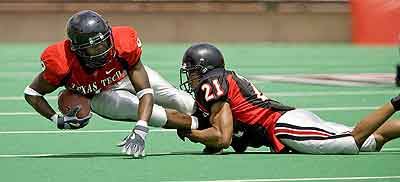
220	134
134	143
178	120
138	76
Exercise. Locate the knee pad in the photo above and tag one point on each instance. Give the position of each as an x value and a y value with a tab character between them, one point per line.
158	117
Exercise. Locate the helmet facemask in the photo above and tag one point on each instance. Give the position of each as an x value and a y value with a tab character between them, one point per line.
96	53
190	77
197	61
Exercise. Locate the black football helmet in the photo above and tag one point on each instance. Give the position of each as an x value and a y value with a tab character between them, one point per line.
91	38
198	60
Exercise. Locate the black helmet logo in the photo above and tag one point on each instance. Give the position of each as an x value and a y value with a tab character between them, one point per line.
203	68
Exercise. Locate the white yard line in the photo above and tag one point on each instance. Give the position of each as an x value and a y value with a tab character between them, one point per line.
302	179
79	131
16	98
18	113
337	93
54	155
166	153
353	108
280	94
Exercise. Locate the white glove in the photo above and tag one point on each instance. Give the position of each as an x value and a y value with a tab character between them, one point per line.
134	143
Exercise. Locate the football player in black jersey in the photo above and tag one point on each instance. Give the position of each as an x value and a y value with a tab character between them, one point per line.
239	115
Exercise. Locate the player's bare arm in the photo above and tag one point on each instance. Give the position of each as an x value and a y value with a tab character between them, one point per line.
140	81
134	143
178	120
37	101
220	134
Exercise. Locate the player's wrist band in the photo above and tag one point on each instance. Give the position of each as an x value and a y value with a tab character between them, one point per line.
195	122
141	123
145	91
141	128
54	118
30	91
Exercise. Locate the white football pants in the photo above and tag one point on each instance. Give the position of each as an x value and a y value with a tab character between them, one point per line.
305	132
120	102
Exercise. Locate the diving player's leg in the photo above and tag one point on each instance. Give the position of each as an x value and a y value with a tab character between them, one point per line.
375	141
305	132
120	103
388	131
167	95
368	125
123	105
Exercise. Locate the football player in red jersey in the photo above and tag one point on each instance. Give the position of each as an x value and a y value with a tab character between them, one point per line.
103	63
241	116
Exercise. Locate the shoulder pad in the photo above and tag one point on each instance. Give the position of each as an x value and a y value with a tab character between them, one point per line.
56	61
127	44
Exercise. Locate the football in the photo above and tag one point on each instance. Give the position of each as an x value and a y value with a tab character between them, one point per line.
68	100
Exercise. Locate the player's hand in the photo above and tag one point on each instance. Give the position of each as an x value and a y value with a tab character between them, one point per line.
134	143
182	133
212	151
70	121
238	146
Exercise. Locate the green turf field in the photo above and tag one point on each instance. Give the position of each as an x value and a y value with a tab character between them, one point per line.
33	150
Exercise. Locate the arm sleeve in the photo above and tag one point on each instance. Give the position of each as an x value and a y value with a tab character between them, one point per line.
128	45
55	68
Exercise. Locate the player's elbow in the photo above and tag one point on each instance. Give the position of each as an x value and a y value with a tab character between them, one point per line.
224	141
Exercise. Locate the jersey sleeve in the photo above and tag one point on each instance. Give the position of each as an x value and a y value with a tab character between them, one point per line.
54	64
128	44
212	90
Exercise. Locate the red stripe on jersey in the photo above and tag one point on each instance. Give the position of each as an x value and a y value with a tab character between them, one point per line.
245	111
305	133
201	107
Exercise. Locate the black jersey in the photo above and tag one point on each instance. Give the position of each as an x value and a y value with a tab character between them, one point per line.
249	106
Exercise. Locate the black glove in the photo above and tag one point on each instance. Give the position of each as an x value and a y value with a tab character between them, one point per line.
212	150
182	133
396	102
239	145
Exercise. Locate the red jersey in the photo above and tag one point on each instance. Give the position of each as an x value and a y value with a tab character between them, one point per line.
62	67
249	106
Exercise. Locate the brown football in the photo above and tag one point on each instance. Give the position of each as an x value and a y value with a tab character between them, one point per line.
68	100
